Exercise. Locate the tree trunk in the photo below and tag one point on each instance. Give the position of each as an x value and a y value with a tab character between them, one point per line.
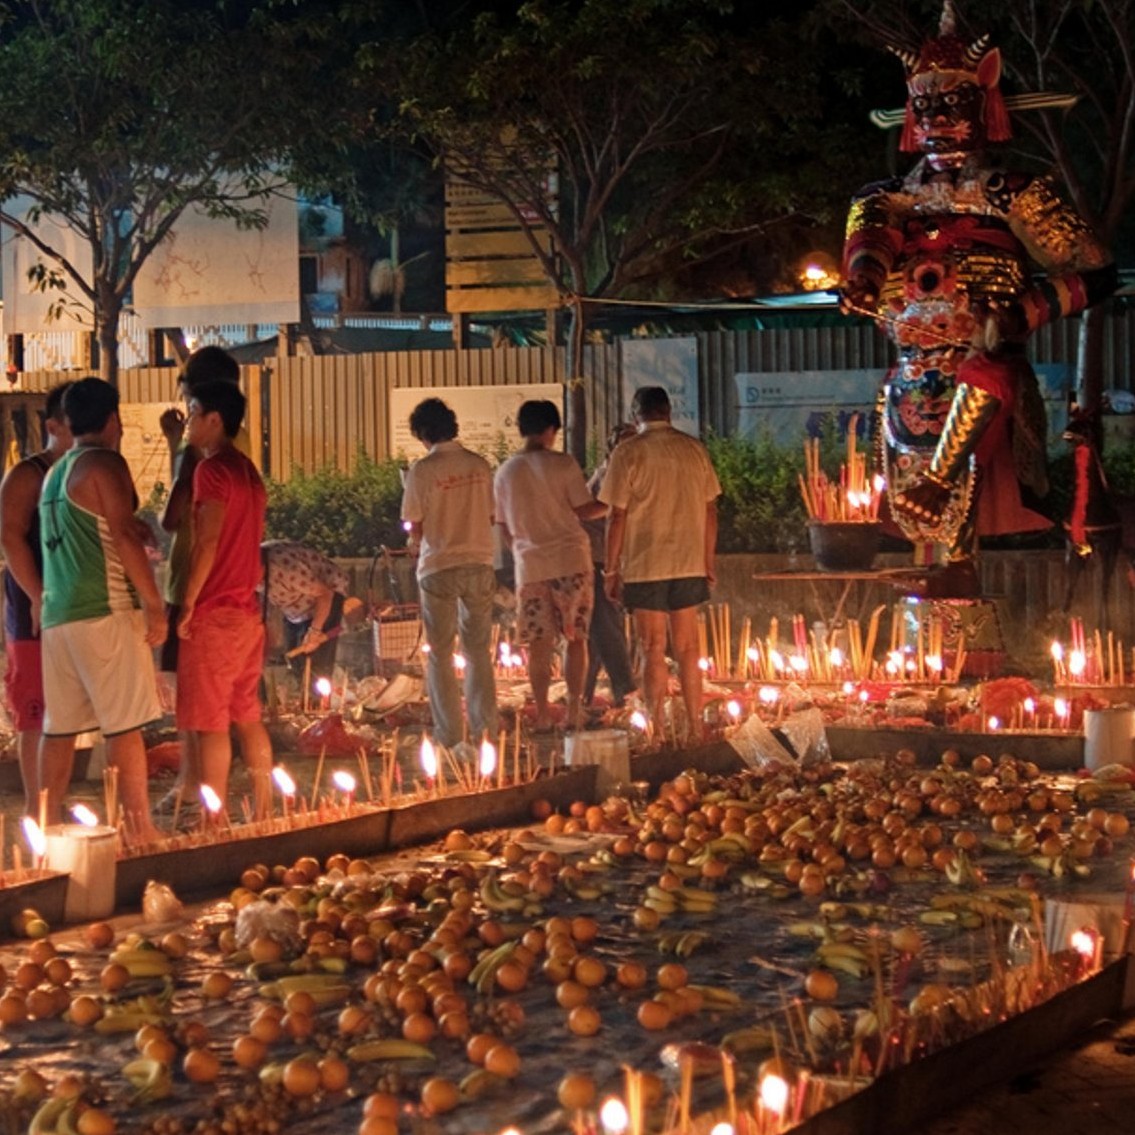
106	331
1089	358
577	395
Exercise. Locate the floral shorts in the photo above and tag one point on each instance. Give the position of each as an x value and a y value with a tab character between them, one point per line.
555	607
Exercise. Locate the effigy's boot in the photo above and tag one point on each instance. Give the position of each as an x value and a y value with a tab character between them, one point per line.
925	500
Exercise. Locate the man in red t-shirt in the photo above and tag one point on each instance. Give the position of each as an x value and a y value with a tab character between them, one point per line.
221	626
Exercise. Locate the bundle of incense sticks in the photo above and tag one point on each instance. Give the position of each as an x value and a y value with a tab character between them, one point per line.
855	499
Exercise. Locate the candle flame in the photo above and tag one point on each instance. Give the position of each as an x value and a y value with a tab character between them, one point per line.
1084	943
994	724
1061	707
488	758
459	662
210	799
777	659
798	663
1030	705
934	662
864	696
848	689
613	1116
1057	651
752	654
323	687
774	1093
733	708
428	758
283	780
638	720
84	815
33	833
721	1128
769	695
343	780
835	656
703	665
1076	663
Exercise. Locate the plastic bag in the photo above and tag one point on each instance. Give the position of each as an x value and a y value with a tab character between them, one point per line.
269	920
159	903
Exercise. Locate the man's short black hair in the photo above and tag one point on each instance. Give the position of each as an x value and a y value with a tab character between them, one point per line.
88	405
53	403
223	398
651	403
210	364
432	421
536	416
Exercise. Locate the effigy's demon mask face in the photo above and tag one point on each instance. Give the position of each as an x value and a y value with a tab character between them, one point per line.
948	110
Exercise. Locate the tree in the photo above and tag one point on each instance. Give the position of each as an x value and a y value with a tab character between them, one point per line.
670	128
1082	47
117	115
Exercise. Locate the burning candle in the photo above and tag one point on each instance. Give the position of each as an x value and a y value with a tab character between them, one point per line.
427	758
283	781
83	815
776	659
1029	706
768	696
346	783
211	801
773	1096
1087	943
36	840
488	764
613	1116
1063	712
323	689
721	1128
994	724
733	708
459	663
1077	662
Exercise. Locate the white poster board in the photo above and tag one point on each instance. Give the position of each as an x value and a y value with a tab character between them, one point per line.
26	309
486	416
671	364
209	272
144	446
792	405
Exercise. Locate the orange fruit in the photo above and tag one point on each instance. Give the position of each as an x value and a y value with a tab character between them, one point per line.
821	985
334	1073
201	1066
503	1060
439	1095
381	1105
478	1045
301	1077
249	1052
216	985
98	935
85	1010
576	1091
590	972
584	928
419	1027
672	975
512	977
631	975
584	1020
654	1015
569	994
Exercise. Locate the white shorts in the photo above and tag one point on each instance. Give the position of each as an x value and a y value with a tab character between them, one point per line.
99	674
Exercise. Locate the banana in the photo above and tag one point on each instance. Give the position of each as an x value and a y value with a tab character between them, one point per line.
143	961
754	881
689	942
46	1118
659	905
815	930
668	941
491	961
331	965
127	1021
755	1038
390	1048
731	843
833	911
325	988
939	917
962	873
497	899
853	967
65	1124
585	892
150	1079
695	896
481	1083
470	855
717	997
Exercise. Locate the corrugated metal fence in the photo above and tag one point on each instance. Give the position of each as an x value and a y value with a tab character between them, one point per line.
321	411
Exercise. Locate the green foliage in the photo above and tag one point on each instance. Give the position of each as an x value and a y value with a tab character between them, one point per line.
340	514
760	509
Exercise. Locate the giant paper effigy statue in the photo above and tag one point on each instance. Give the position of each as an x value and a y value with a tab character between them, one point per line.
945	258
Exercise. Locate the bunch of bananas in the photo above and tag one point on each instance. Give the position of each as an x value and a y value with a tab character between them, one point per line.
150	1079
507	897
483	975
686	900
325	988
682	943
846	957
142	959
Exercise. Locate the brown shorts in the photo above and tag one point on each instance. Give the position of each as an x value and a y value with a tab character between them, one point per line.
554	607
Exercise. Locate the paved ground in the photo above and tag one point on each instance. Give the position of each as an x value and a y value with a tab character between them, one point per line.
1087	1088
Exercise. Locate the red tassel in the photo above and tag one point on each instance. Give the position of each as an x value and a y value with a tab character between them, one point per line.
907	144
998	128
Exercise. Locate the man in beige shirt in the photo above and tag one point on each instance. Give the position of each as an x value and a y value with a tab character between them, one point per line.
662	492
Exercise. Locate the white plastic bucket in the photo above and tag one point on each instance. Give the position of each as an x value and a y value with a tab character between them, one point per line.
89	855
607	748
1109	735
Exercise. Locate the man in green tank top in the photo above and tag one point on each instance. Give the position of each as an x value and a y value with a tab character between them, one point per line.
102	612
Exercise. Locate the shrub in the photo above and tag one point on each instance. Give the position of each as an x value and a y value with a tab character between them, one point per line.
340	514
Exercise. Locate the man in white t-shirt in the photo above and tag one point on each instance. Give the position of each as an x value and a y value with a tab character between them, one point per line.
661	535
541	497
447	503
